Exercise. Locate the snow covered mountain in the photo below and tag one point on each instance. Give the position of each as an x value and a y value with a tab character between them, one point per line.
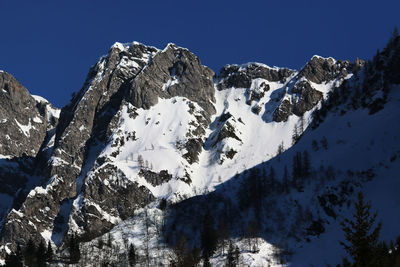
277	149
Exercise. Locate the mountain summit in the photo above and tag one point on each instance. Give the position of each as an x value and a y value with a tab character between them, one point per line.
154	126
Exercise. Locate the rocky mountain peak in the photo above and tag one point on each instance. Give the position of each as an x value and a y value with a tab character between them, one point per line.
240	76
319	69
131	75
174	71
24	121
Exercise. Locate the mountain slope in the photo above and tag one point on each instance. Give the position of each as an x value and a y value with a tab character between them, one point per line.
151	125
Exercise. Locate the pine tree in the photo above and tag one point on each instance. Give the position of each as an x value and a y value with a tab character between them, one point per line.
230	258
237	255
306	164
209	236
295	135
324	143
74	251
49	253
131	255
252	232
281	148
19	255
223	234
297	172
140	161
206	262
41	254
301	125
361	238
285	181
29	253
315	146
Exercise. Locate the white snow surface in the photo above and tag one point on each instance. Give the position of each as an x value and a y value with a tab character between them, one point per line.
25	129
40	99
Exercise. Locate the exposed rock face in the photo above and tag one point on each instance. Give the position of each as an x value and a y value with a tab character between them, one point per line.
319	69
88	113
156	178
308	97
83	188
108	197
283	112
26	126
242	76
23	122
138	75
173	72
302	96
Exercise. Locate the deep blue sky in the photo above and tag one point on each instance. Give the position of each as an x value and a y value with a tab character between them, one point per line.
50	45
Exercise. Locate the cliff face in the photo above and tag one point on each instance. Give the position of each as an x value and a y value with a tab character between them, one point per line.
147	124
24	121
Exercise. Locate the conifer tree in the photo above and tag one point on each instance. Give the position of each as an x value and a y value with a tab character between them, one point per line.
223	234
131	255
49	253
41	254
295	135
230	258
361	238
74	251
206	262
29	253
281	148
306	164
209	236
285	180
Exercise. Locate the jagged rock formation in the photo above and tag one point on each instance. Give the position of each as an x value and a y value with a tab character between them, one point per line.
135	74
319	69
242	76
304	96
99	165
26	125
24	121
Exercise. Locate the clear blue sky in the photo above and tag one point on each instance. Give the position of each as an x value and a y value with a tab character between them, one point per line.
50	45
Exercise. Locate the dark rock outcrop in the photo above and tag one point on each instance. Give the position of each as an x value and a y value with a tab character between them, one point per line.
283	111
155	178
241	77
23	122
138	75
108	197
308	97
319	69
173	72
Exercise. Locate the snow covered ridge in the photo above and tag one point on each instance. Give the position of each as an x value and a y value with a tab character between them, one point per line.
218	160
154	126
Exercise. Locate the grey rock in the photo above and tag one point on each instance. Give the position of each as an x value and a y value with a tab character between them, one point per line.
136	75
319	70
241	77
303	98
23	123
307	98
155	178
283	111
194	81
193	146
118	197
